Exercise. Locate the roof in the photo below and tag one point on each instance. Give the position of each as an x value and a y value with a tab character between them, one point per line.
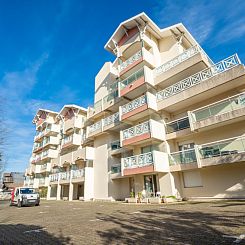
40	111
67	107
143	20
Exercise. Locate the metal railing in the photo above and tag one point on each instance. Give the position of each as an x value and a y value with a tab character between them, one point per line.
114	118
222	147
115	169
136	130
134	104
135	76
64	175
141	160
197	78
230	104
183	157
178	59
130	60
75	174
95	126
177	125
54	177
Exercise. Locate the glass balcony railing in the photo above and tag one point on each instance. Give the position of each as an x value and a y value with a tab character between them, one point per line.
134	104
220	107
199	77
135	76
137	161
116	169
183	157
177	125
130	61
111	96
223	147
114	118
115	145
136	130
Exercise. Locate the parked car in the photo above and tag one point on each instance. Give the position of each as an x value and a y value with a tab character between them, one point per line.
24	196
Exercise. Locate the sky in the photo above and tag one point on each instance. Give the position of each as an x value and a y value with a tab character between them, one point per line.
51	51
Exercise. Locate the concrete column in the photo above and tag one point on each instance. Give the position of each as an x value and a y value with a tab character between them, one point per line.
71	187
58	189
89	183
49	192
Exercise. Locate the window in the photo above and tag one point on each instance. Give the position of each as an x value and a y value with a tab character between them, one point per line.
146	149
186	146
192	179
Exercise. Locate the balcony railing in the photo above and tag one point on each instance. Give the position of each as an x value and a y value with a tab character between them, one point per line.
137	161
111	96
178	59
135	76
223	147
68	139
178	125
115	169
199	77
111	119
183	157
65	175
130	61
54	177
75	174
96	126
220	107
134	104
136	130
42	181
44	166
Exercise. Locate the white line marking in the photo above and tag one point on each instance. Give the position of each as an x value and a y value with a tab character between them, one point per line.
42	212
137	212
95	220
37	230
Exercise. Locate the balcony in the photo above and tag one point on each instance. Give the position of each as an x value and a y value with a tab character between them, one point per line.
150	131
85	153
72	140
74	122
50	130
183	65
150	162
51	140
64	177
43	181
77	175
95	129
178	128
223	151
116	150
139	107
219	78
183	160
112	122
116	171
223	112
112	101
49	154
54	177
137	83
142	57
96	110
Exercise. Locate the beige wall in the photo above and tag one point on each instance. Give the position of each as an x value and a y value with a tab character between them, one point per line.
224	181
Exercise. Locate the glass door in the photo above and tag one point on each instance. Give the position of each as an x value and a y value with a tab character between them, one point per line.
150	185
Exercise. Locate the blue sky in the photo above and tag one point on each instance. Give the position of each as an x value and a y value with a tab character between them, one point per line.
50	51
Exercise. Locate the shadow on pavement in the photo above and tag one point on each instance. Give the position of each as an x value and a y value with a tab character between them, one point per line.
169	227
20	234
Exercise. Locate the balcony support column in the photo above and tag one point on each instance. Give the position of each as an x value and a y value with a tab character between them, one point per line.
88	182
49	192
71	187
199	164
58	188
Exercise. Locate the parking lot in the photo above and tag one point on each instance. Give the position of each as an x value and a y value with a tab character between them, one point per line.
62	222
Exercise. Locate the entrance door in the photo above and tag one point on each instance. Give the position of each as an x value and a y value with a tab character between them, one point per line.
150	185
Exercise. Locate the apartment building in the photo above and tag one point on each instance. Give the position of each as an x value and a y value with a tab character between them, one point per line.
166	121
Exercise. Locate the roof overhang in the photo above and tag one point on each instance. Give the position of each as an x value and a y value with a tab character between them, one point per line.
40	111
142	20
68	107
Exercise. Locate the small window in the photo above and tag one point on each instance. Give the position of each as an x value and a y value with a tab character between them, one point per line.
192	179
146	149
